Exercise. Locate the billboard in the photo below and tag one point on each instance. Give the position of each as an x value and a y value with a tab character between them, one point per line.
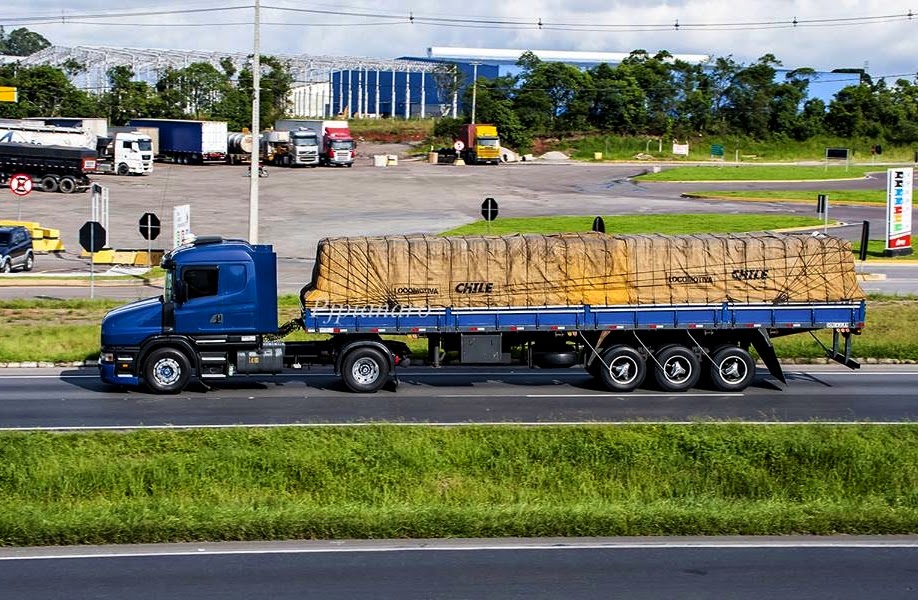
899	209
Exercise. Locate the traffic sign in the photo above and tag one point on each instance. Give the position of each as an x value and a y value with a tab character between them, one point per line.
92	236
459	146
489	209
21	184
149	226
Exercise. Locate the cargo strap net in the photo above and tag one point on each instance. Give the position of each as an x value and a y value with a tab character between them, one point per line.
580	268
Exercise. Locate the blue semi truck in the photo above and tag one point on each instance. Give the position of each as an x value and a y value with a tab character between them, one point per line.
217	319
187	142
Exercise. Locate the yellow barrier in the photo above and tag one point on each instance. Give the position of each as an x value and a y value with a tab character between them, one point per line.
135	258
44	239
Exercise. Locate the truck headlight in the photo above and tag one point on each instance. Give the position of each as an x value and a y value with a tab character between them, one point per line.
107	357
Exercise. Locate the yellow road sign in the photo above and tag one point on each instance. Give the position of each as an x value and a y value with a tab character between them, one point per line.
8	94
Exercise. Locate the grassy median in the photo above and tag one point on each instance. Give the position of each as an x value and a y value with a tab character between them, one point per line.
400	482
734	172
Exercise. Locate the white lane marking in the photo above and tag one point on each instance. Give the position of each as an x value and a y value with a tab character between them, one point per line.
406	373
554	544
444	424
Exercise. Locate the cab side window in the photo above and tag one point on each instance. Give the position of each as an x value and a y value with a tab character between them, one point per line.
201	281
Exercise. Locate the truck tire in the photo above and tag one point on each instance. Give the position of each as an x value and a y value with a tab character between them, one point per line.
622	368
48	183
679	368
365	370
67	185
123	169
166	371
732	369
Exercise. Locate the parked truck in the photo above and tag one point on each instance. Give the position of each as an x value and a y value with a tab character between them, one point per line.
188	142
481	144
626	308
294	148
150	132
336	146
34	132
125	153
52	168
98	126
238	147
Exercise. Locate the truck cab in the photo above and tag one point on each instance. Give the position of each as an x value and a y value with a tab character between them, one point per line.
219	298
305	143
125	154
339	147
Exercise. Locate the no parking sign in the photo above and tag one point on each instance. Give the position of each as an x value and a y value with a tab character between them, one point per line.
21	184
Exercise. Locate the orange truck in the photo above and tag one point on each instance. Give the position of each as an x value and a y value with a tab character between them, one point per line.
481	144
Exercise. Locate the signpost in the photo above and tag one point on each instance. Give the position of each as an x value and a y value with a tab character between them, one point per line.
822	208
149	229
92	239
21	185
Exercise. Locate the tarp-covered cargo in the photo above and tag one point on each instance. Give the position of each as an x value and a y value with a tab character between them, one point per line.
580	268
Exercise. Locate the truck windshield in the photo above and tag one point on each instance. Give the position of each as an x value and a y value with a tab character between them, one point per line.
304	140
145	145
492	142
342	145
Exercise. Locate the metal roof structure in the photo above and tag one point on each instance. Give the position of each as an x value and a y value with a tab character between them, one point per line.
509	55
149	63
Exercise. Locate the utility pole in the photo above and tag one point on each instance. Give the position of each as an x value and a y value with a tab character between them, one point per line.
256	129
474	88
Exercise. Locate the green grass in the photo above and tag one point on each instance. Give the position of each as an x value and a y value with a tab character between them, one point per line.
876	249
666	224
847	196
417	482
727	172
746	150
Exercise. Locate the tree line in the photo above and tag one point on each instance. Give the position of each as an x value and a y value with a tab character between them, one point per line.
656	95
644	95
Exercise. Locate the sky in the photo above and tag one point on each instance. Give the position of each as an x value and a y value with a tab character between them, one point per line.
872	34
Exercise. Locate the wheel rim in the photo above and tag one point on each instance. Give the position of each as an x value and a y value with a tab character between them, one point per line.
623	369
677	369
29	262
733	369
167	371
365	371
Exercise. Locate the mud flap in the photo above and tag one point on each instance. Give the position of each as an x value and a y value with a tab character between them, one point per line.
766	351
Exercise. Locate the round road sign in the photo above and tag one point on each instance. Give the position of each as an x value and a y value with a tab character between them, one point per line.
21	184
458	146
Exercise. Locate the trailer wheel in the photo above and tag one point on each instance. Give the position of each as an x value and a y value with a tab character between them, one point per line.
732	369
679	368
622	368
365	370
67	185
48	183
123	169
166	371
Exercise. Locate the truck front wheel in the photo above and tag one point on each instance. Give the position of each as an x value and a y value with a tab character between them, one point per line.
123	169
166	371
365	370
67	185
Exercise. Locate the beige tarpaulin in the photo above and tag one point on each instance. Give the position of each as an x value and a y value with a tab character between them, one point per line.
580	268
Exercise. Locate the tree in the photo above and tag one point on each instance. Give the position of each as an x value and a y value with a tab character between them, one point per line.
495	105
128	99
44	91
22	42
749	97
192	91
618	101
276	83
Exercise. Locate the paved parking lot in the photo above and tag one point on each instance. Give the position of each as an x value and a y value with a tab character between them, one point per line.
300	206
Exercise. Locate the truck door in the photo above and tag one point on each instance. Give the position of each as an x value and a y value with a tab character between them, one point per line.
218	299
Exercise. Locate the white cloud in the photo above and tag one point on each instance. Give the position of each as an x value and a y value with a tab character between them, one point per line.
887	47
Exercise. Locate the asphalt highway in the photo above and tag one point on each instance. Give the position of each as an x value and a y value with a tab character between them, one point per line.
76	399
686	568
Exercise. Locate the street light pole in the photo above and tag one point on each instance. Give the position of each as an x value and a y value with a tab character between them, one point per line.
474	88
256	128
